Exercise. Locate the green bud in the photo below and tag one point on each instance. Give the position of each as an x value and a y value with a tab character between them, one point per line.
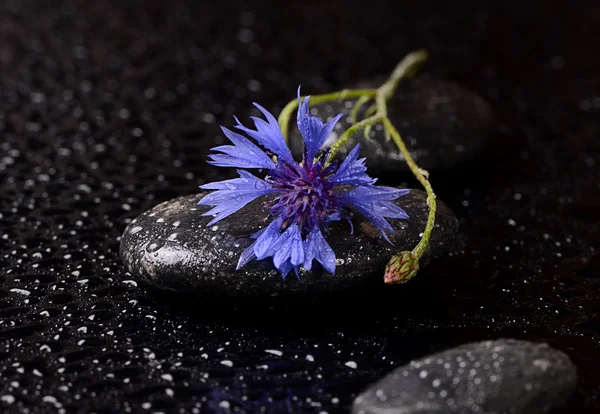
401	268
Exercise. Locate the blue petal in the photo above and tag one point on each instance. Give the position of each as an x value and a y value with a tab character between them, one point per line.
233	194
316	247
297	250
379	202
313	131
249	253
246	256
352	171
266	242
242	154
289	247
378	192
309	252
375	204
246	181
286	267
286	248
268	134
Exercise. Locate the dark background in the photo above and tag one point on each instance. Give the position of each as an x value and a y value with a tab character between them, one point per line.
107	108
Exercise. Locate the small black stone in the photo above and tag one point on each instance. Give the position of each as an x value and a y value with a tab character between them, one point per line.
442	123
492	377
171	247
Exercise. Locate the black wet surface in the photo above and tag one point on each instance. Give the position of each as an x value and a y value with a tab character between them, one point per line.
108	108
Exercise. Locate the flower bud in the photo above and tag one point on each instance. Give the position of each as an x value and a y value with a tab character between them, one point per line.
401	268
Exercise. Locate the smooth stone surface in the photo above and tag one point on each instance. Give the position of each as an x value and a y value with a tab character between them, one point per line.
442	123
171	247
492	377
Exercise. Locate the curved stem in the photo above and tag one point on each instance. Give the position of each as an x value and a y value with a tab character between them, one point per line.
343	139
370	110
343	94
420	248
405	69
357	105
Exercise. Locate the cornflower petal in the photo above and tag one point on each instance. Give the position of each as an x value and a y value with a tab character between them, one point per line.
315	247
268	134
249	254
289	247
375	204
266	241
286	267
242	154
232	195
246	257
314	132
352	171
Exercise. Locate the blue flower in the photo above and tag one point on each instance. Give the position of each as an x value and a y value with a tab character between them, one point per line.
302	198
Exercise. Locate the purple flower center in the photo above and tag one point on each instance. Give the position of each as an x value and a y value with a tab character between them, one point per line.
304	194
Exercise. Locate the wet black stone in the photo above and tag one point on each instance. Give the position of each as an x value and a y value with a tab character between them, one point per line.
171	247
493	377
442	123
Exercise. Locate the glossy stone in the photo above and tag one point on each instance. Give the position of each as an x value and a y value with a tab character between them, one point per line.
171	247
492	377
442	123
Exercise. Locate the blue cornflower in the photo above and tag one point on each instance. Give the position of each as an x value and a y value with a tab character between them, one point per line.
302	198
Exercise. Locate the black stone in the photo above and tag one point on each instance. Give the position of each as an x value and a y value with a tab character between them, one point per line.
442	123
171	247
492	377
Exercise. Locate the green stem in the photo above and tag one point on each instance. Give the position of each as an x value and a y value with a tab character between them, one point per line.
370	110
420	174
356	108
405	69
343	139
